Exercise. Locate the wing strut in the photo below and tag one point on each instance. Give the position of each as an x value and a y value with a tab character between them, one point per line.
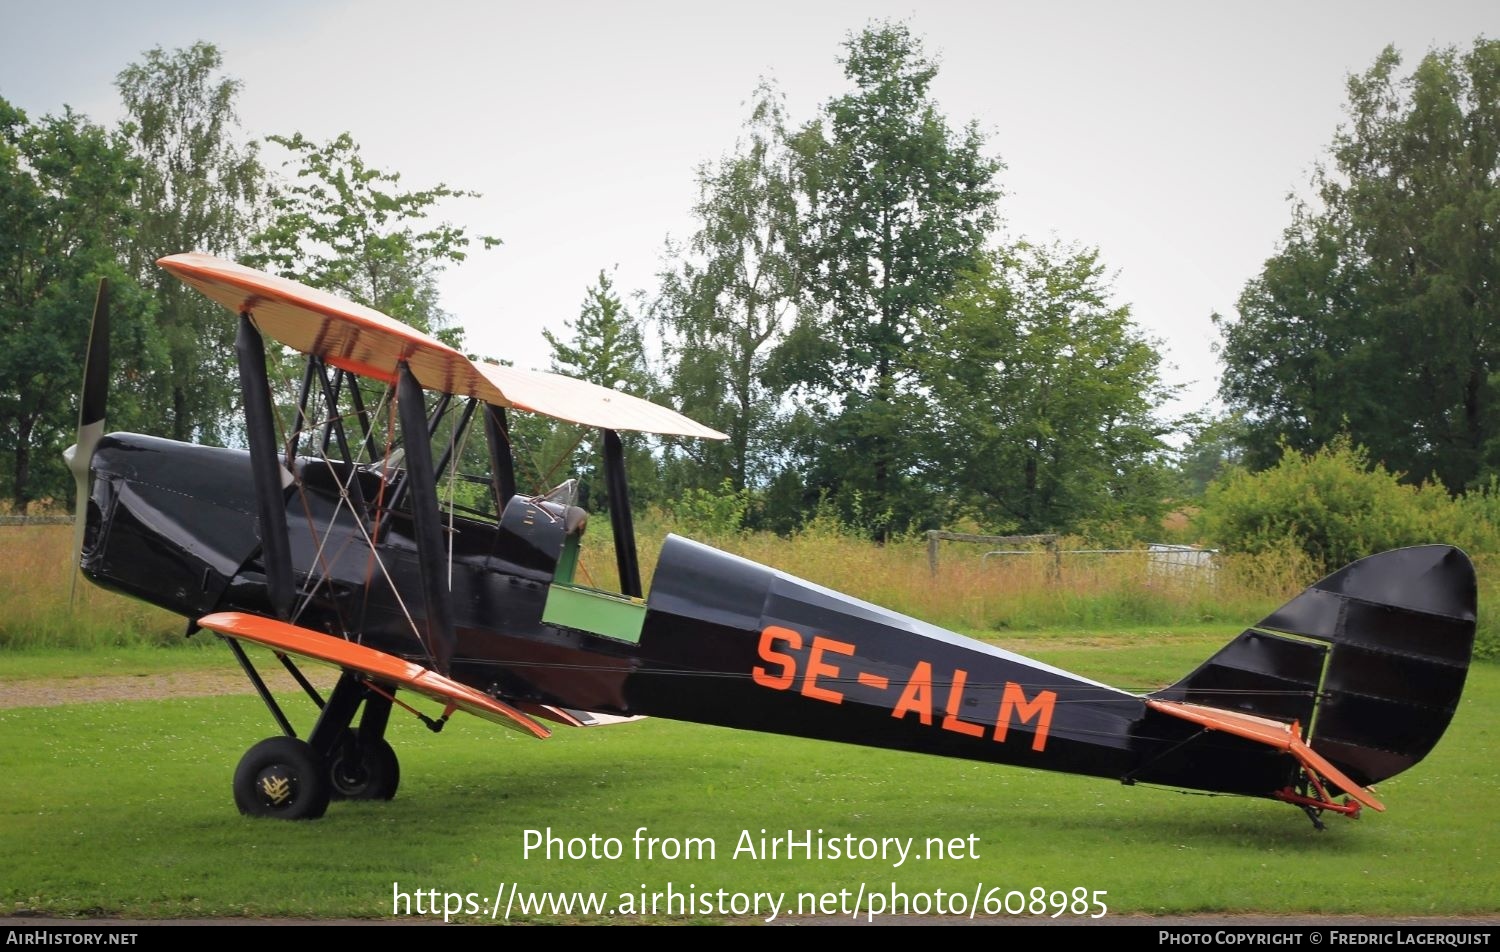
619	515
453	446
427	520
502	464
367	425
265	464
304	393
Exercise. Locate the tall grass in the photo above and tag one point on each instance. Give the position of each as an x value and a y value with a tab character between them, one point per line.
40	608
968	593
1018	592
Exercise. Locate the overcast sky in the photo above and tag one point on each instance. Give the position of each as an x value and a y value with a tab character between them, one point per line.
1166	134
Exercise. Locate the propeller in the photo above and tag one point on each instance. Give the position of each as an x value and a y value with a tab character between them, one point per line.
91	406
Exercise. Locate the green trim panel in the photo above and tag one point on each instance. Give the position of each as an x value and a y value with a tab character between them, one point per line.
600	613
567	562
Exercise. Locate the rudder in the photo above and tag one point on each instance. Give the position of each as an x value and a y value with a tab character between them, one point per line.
1371	660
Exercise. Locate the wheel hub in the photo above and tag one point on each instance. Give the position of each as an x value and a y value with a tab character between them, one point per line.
277	786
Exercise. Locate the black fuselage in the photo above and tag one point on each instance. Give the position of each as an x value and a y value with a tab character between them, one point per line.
721	640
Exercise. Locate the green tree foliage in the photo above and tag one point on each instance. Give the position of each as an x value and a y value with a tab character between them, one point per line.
1214	444
343	226
725	299
198	193
1048	394
66	189
1378	316
898	205
604	346
1332	503
351	229
712	515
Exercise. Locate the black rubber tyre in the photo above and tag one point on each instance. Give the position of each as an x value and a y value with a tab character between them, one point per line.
371	774
281	777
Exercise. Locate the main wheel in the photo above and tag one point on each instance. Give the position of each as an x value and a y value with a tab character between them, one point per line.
281	777
363	770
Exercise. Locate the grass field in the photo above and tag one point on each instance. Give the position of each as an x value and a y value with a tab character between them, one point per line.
124	809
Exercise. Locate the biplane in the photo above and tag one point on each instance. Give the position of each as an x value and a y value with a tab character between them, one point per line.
331	540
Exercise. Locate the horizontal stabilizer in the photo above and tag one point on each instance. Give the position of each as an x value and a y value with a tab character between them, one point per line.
1272	733
382	667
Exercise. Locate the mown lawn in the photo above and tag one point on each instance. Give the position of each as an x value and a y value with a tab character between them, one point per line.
124	808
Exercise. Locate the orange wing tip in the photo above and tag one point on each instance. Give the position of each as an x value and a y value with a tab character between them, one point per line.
345	333
317	646
1272	733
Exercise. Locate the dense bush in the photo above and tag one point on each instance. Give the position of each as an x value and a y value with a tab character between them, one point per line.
711	515
1333	504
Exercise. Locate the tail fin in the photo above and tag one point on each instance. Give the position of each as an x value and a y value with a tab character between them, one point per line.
1371	660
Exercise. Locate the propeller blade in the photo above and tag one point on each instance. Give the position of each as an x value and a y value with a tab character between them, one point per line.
91	408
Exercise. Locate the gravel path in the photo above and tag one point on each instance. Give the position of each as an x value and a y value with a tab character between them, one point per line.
51	692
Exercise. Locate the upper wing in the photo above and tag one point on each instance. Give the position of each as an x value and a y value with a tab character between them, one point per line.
364	341
347	335
578	401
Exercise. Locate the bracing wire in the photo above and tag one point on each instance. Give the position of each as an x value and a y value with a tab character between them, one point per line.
455	456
